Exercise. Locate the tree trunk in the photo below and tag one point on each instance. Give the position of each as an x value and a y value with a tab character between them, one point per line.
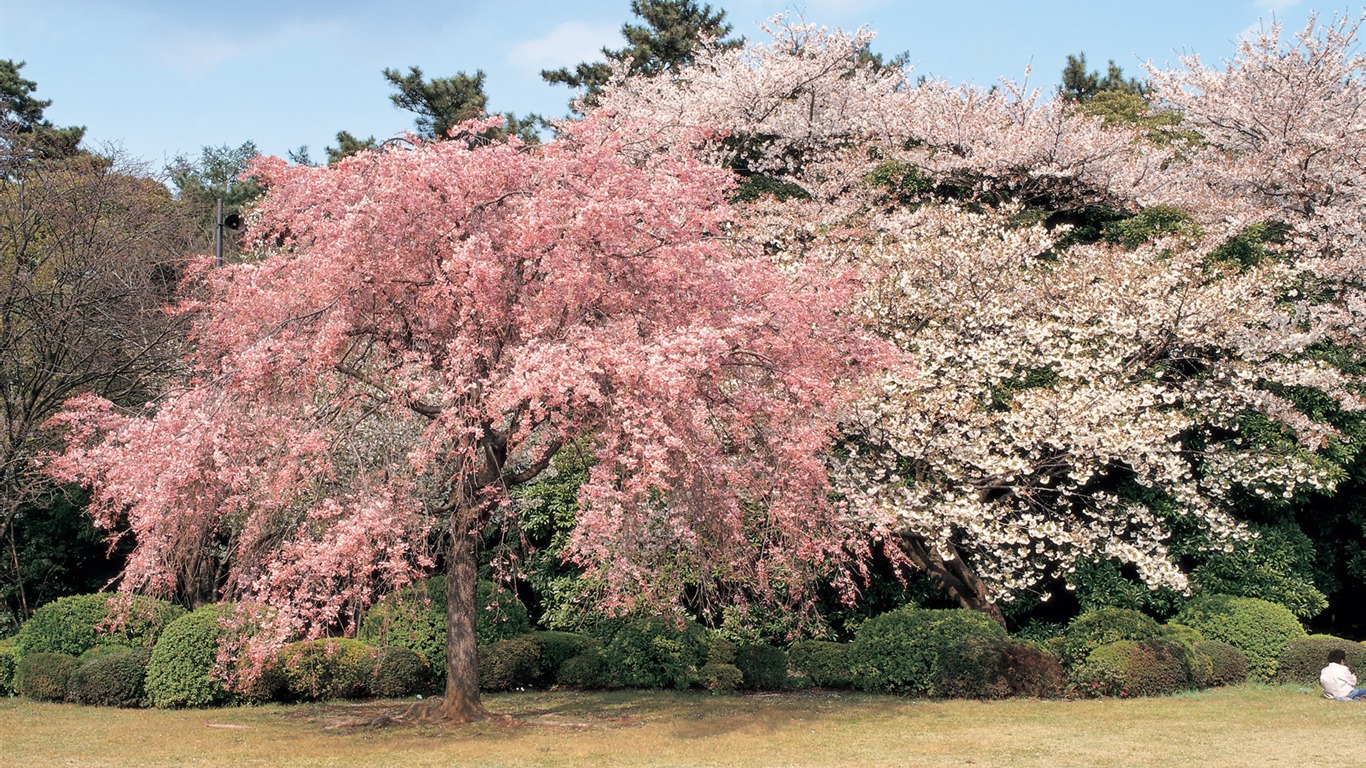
461	702
24	612
953	576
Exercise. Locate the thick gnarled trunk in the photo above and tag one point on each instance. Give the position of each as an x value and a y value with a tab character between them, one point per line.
461	702
952	575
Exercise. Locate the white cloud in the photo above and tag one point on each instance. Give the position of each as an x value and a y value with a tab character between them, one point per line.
564	46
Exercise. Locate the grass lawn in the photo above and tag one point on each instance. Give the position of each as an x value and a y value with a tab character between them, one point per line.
1246	726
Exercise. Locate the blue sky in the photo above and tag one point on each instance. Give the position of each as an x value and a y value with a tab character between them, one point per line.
162	77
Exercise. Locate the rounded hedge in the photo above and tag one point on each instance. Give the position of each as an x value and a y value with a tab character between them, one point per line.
654	652
588	670
998	668
1228	665
7	663
44	676
720	677
1303	659
1181	633
1128	668
763	667
71	625
180	672
555	649
821	662
326	668
399	671
899	651
721	651
113	678
1093	629
415	618
1261	630
508	665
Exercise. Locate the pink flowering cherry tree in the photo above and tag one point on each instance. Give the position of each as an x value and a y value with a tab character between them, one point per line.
428	328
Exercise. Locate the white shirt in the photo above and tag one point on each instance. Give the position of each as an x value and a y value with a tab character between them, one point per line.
1337	680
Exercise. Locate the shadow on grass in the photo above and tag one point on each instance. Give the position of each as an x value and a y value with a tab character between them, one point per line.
686	714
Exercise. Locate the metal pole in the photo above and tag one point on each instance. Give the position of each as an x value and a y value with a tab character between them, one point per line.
218	234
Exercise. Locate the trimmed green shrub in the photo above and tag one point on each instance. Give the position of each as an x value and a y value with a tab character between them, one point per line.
508	665
326	668
399	671
719	677
763	667
267	685
71	625
102	650
1199	667
412	618
1259	629
415	618
44	676
555	649
1093	629
721	651
821	662
654	652
1104	671
899	651
1228	665
111	678
1181	633
7	666
1303	660
180	672
1163	667
1128	668
998	668
588	670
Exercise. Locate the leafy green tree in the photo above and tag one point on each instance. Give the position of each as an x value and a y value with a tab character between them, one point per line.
57	552
348	145
1079	85
1118	100
217	174
89	250
440	103
21	118
667	39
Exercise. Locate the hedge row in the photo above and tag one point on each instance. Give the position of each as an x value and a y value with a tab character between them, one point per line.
1261	630
1303	659
1121	652
168	658
159	655
415	618
7	666
73	625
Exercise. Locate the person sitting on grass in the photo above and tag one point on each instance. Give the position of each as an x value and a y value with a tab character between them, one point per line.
1338	681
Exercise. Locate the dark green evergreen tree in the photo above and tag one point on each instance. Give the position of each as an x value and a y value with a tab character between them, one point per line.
440	103
21	118
664	42
348	145
1118	100
217	174
1079	85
